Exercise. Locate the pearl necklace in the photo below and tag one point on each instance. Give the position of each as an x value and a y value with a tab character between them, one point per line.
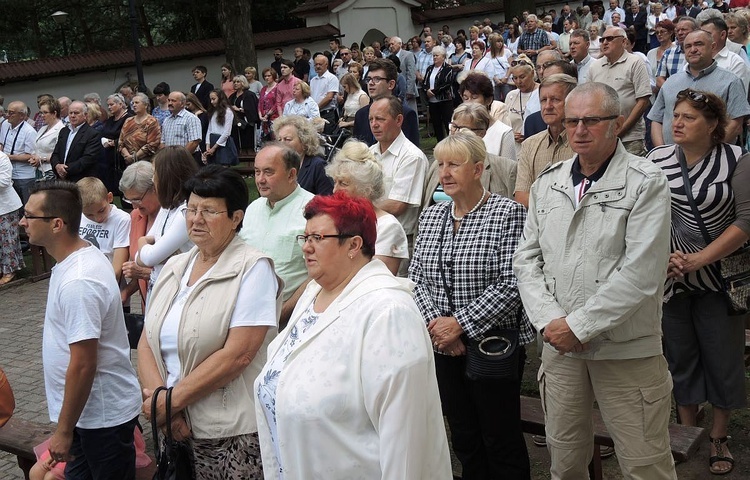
473	209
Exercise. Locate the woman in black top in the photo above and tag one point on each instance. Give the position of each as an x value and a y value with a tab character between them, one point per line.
244	105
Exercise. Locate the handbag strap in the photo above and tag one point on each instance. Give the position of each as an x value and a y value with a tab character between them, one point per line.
448	290
154	427
689	193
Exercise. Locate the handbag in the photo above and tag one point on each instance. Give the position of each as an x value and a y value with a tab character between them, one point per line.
7	401
734	269
173	459
240	122
226	155
494	357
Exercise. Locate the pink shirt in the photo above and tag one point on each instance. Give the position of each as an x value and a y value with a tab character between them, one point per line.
284	91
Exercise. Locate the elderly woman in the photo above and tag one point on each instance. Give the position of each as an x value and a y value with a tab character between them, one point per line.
244	105
113	164
595	44
664	33
253	85
517	100
654	17
267	110
704	346
11	258
301	103
300	134
349	387
219	128
137	187
227	291
140	136
356	98
46	137
476	87
499	174
438	86
94	116
368	55
173	166
356	171
479	60
465	286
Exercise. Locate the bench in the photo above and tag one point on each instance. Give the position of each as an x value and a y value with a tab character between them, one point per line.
19	437
246	167
684	440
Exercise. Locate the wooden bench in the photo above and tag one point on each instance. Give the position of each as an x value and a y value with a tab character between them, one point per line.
684	440
19	437
246	167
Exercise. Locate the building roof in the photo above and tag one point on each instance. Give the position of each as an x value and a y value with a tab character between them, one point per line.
87	62
452	13
311	7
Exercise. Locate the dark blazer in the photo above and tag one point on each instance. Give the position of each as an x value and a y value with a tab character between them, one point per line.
203	93
639	22
362	131
83	155
443	83
533	124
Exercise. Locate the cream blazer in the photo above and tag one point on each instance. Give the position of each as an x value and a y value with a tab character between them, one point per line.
358	398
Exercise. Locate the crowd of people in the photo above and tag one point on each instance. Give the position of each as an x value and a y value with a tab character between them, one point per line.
587	178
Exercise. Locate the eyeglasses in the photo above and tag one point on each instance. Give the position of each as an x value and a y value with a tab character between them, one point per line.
610	38
315	238
587	121
693	95
515	63
206	214
374	79
545	65
11	112
37	217
137	201
458	128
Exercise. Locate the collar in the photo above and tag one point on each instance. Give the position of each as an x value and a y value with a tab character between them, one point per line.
622	58
285	200
586	60
180	113
723	53
562	139
395	147
18	127
578	177
702	73
76	129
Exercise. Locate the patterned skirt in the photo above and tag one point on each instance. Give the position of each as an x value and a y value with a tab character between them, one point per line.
228	458
11	258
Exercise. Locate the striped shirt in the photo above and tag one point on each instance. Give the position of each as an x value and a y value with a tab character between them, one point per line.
181	129
537	152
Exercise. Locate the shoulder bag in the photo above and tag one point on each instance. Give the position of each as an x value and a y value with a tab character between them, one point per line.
734	269
7	401
173	459
226	155
496	356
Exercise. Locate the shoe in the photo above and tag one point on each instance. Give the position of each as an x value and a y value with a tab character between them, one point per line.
606	452
721	456
7	278
539	440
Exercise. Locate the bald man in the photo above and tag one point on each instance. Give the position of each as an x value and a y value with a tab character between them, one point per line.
18	141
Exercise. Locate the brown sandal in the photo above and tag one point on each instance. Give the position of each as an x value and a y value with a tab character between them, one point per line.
718	444
7	278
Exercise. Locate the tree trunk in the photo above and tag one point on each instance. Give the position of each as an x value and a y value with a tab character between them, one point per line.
237	31
514	8
145	27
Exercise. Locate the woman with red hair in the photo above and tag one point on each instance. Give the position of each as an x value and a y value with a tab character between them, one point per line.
352	374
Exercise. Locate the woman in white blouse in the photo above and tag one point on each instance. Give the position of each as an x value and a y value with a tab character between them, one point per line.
302	104
356	171
356	98
46	138
173	166
349	389
479	61
219	125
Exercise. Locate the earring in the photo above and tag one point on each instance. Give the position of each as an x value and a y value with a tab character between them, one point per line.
351	256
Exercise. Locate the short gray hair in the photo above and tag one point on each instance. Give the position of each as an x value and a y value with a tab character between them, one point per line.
143	98
610	101
306	132
438	50
359	165
92	97
84	106
138	176
117	98
478	113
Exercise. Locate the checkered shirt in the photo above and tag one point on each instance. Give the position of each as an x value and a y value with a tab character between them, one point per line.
533	41
672	61
181	129
478	265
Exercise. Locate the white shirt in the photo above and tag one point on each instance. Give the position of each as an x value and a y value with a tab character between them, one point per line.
83	303
46	140
321	85
391	238
16	141
170	234
73	132
255	306
734	63
222	130
404	169
113	233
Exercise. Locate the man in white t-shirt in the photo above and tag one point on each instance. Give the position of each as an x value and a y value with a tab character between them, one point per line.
92	390
104	225
404	166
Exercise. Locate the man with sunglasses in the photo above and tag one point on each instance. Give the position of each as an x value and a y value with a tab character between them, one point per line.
381	81
628	75
92	391
596	296
702	73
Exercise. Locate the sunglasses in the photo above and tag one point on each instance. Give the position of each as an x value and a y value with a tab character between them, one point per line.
515	63
587	121
693	95
610	38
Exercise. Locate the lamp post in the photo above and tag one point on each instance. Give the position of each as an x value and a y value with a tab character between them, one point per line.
61	18
136	46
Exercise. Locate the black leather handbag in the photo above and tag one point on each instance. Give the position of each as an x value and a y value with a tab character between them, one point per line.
174	460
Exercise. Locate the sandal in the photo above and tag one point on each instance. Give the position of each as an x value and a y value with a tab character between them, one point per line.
7	278
721	456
